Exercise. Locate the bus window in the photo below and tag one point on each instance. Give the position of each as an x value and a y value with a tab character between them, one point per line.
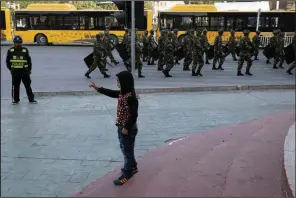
21	22
240	24
216	23
55	22
71	22
166	23
183	23
230	24
38	22
97	23
202	22
2	20
274	21
82	22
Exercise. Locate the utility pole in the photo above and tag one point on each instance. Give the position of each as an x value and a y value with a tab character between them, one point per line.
133	38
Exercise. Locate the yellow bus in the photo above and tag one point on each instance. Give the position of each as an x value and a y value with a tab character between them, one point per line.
184	17
47	24
5	24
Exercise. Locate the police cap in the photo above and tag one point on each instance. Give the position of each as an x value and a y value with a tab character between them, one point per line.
17	39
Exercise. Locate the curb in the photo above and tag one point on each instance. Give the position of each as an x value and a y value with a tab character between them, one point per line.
168	90
55	45
288	172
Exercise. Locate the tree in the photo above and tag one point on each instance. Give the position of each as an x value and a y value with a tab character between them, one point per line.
148	5
4	4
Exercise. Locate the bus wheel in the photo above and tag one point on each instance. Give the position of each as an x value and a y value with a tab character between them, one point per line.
41	39
114	40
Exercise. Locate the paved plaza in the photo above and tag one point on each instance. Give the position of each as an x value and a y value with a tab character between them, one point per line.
61	69
57	147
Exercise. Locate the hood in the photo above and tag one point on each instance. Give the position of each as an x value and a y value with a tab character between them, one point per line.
126	81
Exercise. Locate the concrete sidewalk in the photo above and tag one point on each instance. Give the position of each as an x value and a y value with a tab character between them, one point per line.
242	160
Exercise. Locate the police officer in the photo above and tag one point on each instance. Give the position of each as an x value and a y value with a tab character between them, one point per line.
18	61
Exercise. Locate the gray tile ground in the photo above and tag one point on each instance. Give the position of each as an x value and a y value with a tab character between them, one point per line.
61	68
60	145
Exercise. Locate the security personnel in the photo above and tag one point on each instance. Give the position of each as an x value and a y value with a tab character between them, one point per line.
18	61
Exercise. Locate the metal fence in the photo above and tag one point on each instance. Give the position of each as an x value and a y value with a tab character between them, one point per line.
264	40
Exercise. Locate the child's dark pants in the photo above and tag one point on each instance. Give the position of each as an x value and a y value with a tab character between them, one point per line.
127	146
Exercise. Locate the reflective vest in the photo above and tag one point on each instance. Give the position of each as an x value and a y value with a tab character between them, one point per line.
18	58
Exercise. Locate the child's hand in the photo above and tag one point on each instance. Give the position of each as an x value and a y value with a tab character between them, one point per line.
124	131
93	85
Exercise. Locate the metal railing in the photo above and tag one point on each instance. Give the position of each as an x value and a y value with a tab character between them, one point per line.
264	40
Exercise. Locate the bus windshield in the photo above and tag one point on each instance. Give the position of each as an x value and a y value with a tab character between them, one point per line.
2	20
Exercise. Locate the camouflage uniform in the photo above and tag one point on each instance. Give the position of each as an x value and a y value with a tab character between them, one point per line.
218	51
188	46
206	43
125	37
279	51
138	62
273	43
231	46
198	51
151	47
108	45
294	47
161	50
245	45
145	45
176	44
169	54
99	56
256	42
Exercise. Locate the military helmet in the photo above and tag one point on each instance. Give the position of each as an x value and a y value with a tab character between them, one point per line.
220	31
98	36
170	34
146	31
279	30
126	30
232	32
205	30
258	31
274	32
151	31
17	39
246	32
176	30
198	31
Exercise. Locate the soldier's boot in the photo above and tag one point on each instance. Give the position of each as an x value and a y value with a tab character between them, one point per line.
275	67
289	72
214	67
166	73
140	75
207	62
159	68
281	66
220	67
248	73
106	75
87	75
267	61
153	63
105	69
193	73
256	58
239	73
199	73
177	62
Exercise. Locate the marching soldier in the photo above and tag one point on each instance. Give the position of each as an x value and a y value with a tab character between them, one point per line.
289	71
218	51
169	53
108	47
245	45
256	42
176	44
188	46
273	44
151	46
99	57
19	63
206	43
198	51
145	45
125	37
280	55
231	45
161	50
138	51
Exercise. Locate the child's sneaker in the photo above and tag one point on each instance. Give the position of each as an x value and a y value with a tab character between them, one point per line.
135	170
121	180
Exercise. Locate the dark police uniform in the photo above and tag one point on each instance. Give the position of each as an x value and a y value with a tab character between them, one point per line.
18	61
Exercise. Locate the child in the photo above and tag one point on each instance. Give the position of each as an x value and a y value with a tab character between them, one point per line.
126	121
